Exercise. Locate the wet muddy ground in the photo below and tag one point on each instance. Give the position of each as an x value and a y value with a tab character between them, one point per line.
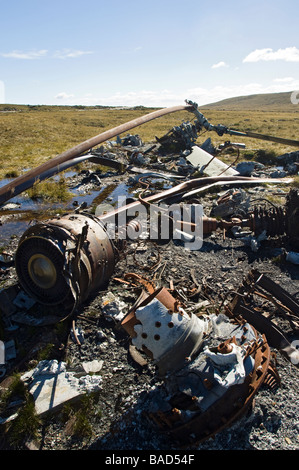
116	418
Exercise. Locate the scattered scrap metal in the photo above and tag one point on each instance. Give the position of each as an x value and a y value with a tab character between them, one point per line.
262	317
211	365
66	259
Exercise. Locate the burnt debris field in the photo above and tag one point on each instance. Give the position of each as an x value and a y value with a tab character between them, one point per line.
154	305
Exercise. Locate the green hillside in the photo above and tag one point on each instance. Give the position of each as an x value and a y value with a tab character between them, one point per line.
260	102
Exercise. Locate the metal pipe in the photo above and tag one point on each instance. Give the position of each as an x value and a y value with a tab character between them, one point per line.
195	185
29	182
18	184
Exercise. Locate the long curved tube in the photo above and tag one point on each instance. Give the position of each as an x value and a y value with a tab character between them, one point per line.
55	170
192	187
18	184
30	180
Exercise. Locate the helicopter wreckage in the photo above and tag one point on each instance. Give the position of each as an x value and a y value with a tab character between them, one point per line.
211	366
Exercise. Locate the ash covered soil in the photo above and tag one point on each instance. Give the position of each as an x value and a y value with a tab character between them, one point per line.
115	413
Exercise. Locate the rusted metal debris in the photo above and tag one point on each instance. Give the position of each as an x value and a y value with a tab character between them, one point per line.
207	384
224	412
278	220
183	332
65	260
212	365
275	221
204	390
244	306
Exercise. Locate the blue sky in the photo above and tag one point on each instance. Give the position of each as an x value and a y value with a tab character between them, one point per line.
150	53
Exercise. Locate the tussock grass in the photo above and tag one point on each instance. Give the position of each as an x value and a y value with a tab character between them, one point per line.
295	183
26	424
50	190
77	417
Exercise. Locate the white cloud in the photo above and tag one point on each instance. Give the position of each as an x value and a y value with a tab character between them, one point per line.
63	96
172	97
69	53
37	54
284	80
148	98
219	65
30	55
220	92
199	95
289	54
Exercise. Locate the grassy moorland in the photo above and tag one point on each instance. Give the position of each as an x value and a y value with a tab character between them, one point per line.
30	135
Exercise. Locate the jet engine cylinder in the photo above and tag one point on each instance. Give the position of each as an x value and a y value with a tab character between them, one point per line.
65	259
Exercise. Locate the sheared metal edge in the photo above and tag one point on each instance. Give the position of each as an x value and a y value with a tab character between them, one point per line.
236	180
277	291
137	357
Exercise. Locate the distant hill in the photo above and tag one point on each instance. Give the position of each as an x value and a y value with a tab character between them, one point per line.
259	102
